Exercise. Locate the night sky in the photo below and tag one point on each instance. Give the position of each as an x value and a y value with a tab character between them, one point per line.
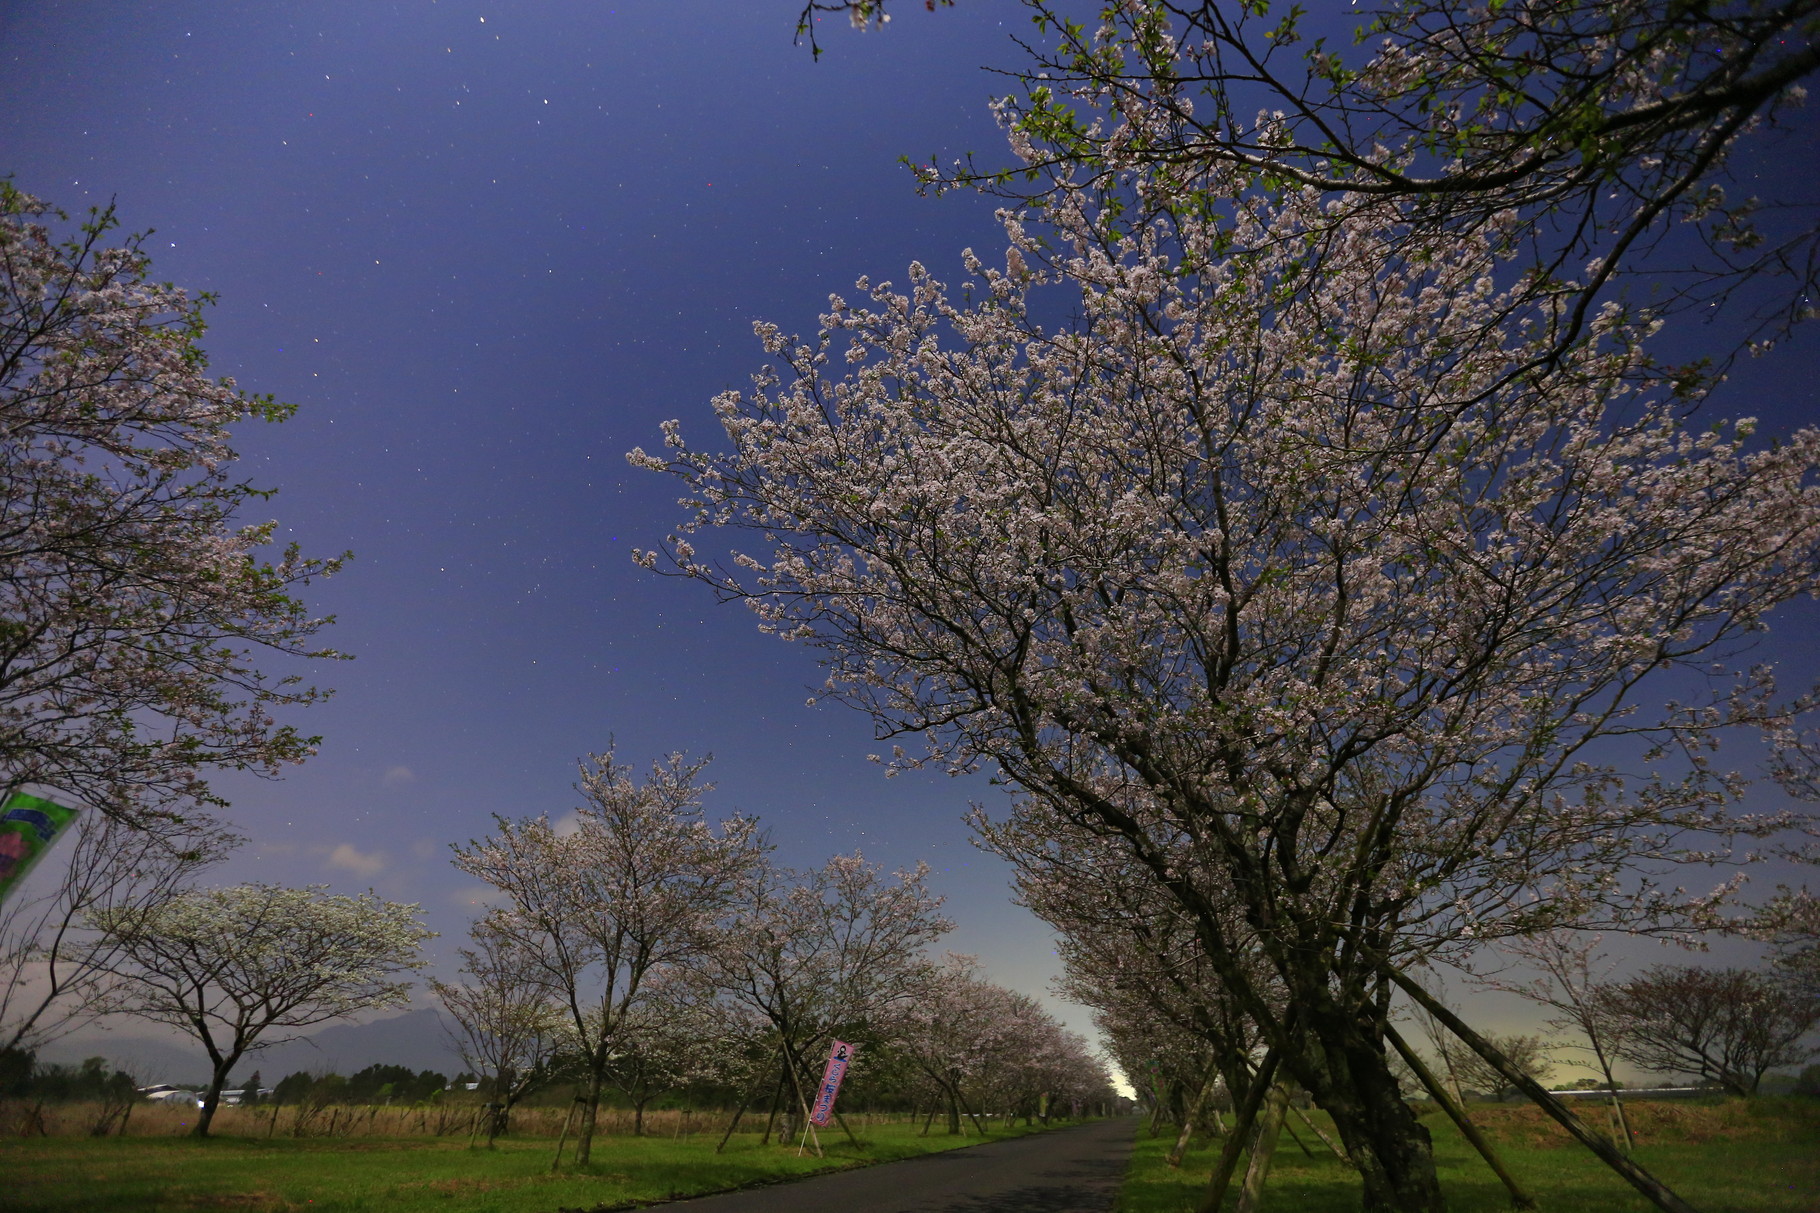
486	249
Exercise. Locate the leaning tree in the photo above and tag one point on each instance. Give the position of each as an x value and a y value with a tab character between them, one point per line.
1729	1026
1326	578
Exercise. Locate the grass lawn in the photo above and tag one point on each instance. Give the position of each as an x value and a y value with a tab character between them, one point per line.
1760	1156
410	1174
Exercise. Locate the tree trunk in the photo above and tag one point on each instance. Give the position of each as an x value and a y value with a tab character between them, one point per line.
497	1115
1340	1061
1611	1091
584	1132
971	1114
212	1097
777	1101
1243	1117
1519	1199
799	1117
1191	1119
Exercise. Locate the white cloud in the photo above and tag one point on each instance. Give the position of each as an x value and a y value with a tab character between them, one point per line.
360	863
398	776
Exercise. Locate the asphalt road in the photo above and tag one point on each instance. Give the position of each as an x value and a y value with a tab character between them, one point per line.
1065	1171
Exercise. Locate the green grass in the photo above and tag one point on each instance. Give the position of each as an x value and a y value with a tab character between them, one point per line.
1757	1157
411	1175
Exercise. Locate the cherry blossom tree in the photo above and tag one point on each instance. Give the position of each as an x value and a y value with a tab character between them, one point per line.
1526	1054
1790	922
634	883
980	1045
677	1036
134	600
509	1027
1044	1069
1327	578
55	969
831	952
1727	1025
1609	128
1133	954
246	967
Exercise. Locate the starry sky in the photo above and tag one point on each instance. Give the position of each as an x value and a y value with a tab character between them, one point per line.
486	249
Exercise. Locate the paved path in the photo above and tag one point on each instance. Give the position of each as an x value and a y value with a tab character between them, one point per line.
1065	1171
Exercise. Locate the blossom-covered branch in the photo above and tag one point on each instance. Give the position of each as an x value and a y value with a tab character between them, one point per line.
134	599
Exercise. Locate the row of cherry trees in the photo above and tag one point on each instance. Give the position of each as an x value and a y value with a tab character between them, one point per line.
1339	576
637	945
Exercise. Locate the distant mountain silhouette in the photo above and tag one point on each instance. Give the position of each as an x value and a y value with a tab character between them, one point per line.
415	1039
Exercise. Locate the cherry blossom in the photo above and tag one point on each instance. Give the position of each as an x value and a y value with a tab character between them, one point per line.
832	952
640	883
239	968
1325	578
134	598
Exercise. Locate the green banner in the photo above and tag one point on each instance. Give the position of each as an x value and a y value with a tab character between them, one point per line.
28	826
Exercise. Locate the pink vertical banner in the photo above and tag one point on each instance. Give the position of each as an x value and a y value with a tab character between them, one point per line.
839	1057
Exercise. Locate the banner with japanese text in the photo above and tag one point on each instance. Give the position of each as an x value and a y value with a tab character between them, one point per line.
839	1057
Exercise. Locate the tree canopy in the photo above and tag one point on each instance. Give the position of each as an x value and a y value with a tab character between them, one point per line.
1346	554
239	967
134	597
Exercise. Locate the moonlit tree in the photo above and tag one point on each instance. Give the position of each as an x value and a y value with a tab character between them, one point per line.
1791	922
970	1039
246	967
1609	127
1130	951
135	600
1526	1054
639	884
509	1027
1570	971
1326	578
677	1036
832	952
1729	1026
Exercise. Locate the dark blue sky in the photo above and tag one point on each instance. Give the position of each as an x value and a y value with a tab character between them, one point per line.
486	249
